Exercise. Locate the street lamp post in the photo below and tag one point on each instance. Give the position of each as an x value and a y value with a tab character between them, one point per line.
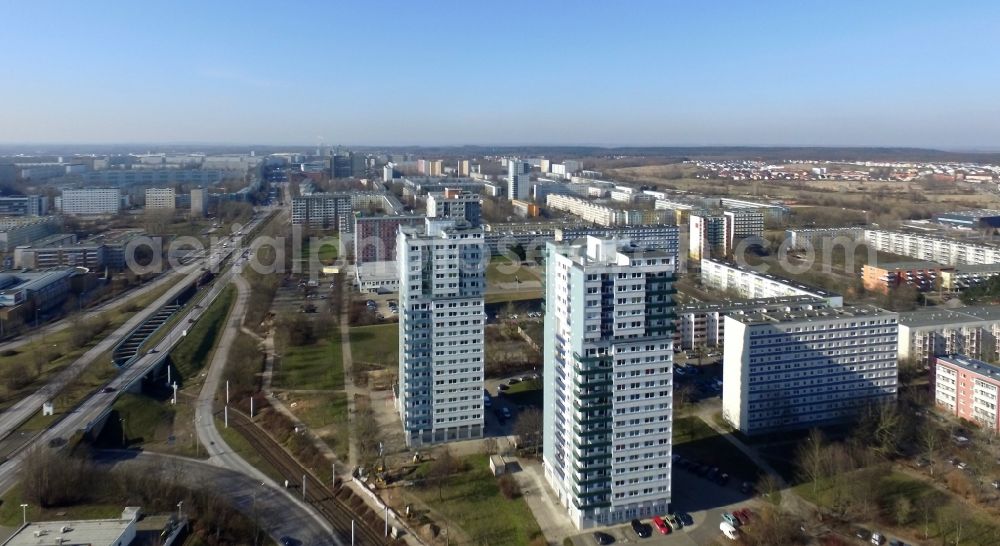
24	514
122	422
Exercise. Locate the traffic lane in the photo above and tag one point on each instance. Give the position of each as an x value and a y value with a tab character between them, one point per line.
276	513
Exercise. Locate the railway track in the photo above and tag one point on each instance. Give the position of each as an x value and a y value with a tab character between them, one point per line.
318	494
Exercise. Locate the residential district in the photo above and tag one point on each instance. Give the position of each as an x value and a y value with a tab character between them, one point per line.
375	346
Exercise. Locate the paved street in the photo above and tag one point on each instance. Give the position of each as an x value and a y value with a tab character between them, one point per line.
278	513
21	411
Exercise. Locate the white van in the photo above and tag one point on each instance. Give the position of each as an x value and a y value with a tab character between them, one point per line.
732	533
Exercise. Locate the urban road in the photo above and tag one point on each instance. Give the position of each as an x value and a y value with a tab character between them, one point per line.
94	407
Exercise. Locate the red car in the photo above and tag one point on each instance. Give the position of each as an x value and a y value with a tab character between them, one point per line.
743	515
661	525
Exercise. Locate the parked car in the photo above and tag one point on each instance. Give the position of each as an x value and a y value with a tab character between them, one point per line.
685	518
730	519
661	525
603	538
673	521
862	533
644	530
513	381
729	530
722	479
746	488
878	539
505	412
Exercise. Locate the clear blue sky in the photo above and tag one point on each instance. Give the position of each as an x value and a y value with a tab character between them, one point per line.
907	73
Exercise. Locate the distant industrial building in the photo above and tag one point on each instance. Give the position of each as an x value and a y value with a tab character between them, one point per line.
24	205
91	201
719	275
22	231
795	370
40	290
968	388
161	198
988	219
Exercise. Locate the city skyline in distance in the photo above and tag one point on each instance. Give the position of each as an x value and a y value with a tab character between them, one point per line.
396	74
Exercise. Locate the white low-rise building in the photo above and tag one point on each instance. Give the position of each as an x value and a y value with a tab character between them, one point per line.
719	275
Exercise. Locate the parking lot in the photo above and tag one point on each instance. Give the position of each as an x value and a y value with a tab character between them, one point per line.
705	501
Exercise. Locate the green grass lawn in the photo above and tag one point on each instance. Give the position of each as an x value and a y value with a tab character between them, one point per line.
501	269
512	295
695	440
378	345
325	414
525	393
472	500
193	352
319	366
242	447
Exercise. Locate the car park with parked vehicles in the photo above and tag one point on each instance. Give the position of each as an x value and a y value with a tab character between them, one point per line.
643	530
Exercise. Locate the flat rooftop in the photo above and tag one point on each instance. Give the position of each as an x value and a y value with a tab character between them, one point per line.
741	305
944	317
916	264
97	532
973	365
808	315
768	276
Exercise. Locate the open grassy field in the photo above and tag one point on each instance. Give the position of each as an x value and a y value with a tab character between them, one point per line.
472	500
500	296
326	415
319	366
195	350
242	447
377	345
502	269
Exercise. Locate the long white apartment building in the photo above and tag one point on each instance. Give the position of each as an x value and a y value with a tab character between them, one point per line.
743	224
930	248
720	275
703	324
972	331
587	210
785	371
441	324
90	201
608	390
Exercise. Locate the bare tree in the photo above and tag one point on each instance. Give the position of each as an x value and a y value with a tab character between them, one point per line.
441	469
528	429
812	459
